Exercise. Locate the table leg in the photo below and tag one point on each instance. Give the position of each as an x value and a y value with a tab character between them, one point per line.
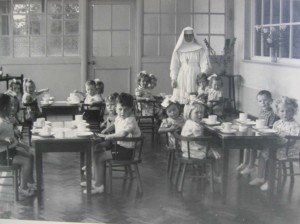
89	172
225	173
271	170
39	169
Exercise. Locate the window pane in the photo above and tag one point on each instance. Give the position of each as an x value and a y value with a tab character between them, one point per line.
284	41
54	6
200	5
20	6
71	46
167	6
150	45
183	21
296	11
21	46
285	10
5	46
167	24
71	9
184	6
151	6
121	17
266	17
296	42
20	24
167	44
217	6
5	25
54	46
5	6
151	24
258	40
54	27
217	43
101	17
217	24
37	46
36	6
71	27
37	25
276	11
101	43
201	24
120	43
258	7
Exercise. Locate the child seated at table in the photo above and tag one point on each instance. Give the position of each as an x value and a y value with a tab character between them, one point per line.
29	99
19	153
173	122
215	93
99	87
15	89
125	126
264	101
110	102
285	108
203	88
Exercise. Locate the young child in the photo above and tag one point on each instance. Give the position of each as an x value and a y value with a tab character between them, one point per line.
173	122
125	126
285	109
91	96
203	88
215	92
29	98
99	87
15	88
18	152
264	101
110	102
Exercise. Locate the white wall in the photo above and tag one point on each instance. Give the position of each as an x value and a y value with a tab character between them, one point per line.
278	78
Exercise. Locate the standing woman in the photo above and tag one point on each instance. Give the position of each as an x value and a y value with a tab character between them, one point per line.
189	58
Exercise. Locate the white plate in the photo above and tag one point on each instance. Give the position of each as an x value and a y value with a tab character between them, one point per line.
84	130
267	131
45	104
208	123
84	134
46	134
73	103
264	127
231	131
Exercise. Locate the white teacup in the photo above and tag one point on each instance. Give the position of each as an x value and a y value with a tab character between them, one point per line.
78	118
60	134
260	123
46	100
46	130
212	119
243	117
227	126
40	122
243	128
81	126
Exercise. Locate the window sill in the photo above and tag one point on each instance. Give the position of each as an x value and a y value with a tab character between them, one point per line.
40	61
282	63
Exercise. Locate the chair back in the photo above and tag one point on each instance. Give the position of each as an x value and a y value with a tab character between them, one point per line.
144	108
201	140
94	112
137	150
293	142
5	144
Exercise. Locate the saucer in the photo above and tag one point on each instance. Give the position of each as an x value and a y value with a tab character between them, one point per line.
231	131
267	131
208	123
73	102
264	127
43	134
45	104
84	133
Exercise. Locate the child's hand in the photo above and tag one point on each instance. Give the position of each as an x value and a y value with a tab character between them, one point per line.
46	90
101	135
10	140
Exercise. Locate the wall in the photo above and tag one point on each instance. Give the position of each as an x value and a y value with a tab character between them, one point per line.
278	78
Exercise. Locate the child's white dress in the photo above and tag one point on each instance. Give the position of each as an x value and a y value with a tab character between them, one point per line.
90	99
203	93
168	122
145	108
192	129
214	94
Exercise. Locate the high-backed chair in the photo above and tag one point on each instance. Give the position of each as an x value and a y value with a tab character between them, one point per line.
93	114
128	167
193	163
10	171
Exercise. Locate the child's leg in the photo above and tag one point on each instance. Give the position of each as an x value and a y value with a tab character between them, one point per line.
245	160
250	163
99	163
26	164
260	179
253	154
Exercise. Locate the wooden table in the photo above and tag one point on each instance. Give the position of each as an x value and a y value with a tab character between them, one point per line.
60	108
68	143
240	140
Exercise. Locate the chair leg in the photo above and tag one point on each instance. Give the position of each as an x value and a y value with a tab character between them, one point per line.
109	178
172	165
182	177
279	174
212	184
177	173
292	172
139	181
16	184
169	163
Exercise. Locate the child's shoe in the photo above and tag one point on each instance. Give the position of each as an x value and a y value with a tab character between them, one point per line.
257	181
26	192
247	171
264	187
95	190
83	183
32	186
241	167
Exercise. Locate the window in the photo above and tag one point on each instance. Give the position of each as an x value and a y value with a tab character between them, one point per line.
165	19
277	28
39	28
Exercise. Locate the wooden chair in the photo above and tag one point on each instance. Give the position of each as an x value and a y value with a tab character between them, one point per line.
147	121
130	167
26	126
285	167
11	171
93	114
219	107
195	164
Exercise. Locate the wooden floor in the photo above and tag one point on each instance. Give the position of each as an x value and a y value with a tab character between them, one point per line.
63	199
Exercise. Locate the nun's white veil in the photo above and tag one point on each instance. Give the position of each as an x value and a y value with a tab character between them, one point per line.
184	46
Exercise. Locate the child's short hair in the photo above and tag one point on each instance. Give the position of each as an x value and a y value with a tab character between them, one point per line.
90	83
125	99
101	84
112	98
150	79
287	102
30	81
188	108
265	93
14	82
216	78
201	77
4	103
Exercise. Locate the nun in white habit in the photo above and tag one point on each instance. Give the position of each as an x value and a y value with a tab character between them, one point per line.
189	59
